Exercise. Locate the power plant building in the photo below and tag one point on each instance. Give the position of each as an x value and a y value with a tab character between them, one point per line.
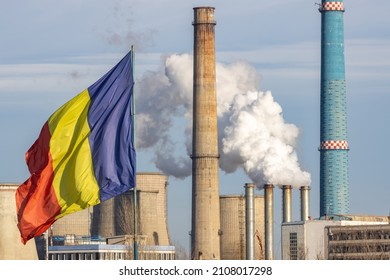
364	242
101	251
342	237
205	228
334	186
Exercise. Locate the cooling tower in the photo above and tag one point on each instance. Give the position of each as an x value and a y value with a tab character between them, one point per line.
269	221
205	230
115	216
334	189
233	227
78	223
11	247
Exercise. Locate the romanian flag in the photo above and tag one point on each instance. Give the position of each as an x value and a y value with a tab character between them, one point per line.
84	154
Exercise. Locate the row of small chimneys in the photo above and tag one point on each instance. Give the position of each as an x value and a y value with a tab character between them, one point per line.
269	215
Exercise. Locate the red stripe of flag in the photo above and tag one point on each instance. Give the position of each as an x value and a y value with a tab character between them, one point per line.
37	205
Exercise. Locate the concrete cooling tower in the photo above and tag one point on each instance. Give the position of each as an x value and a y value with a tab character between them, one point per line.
115	216
78	223
233	227
11	248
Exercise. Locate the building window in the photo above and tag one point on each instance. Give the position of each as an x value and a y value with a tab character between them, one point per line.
293	246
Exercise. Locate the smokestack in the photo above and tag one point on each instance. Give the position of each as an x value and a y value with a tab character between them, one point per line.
205	233
287	204
334	186
250	220
269	221
305	202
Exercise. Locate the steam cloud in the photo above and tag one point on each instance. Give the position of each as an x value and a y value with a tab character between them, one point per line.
252	132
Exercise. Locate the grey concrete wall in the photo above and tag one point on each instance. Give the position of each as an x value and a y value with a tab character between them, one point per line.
11	247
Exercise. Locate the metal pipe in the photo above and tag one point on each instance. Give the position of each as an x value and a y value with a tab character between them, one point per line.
287	204
305	202
250	220
269	221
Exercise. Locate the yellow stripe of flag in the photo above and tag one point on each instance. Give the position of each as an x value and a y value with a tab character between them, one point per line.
71	154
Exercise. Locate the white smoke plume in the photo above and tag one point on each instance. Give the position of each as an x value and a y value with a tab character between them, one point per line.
162	97
252	132
257	139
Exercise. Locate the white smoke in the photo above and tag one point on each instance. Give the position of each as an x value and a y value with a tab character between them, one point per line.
162	97
257	139
252	132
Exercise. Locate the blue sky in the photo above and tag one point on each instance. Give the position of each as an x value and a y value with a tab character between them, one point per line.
52	50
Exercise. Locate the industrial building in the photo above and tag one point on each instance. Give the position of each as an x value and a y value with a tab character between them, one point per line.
110	252
339	237
364	242
333	237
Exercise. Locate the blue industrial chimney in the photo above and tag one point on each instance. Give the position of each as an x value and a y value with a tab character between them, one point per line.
334	187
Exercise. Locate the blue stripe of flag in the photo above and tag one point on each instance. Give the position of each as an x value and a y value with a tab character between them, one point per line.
112	128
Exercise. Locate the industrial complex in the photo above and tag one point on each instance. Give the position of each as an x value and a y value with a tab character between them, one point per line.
223	227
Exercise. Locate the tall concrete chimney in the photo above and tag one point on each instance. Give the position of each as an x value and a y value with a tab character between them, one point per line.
334	186
250	221
205	233
287	204
269	221
305	202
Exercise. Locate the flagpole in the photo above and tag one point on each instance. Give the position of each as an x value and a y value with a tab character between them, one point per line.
135	244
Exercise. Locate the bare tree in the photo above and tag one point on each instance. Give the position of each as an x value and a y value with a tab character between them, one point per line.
180	252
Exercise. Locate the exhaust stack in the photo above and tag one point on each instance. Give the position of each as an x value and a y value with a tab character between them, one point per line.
305	202
269	221
250	220
287	204
334	148
205	233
